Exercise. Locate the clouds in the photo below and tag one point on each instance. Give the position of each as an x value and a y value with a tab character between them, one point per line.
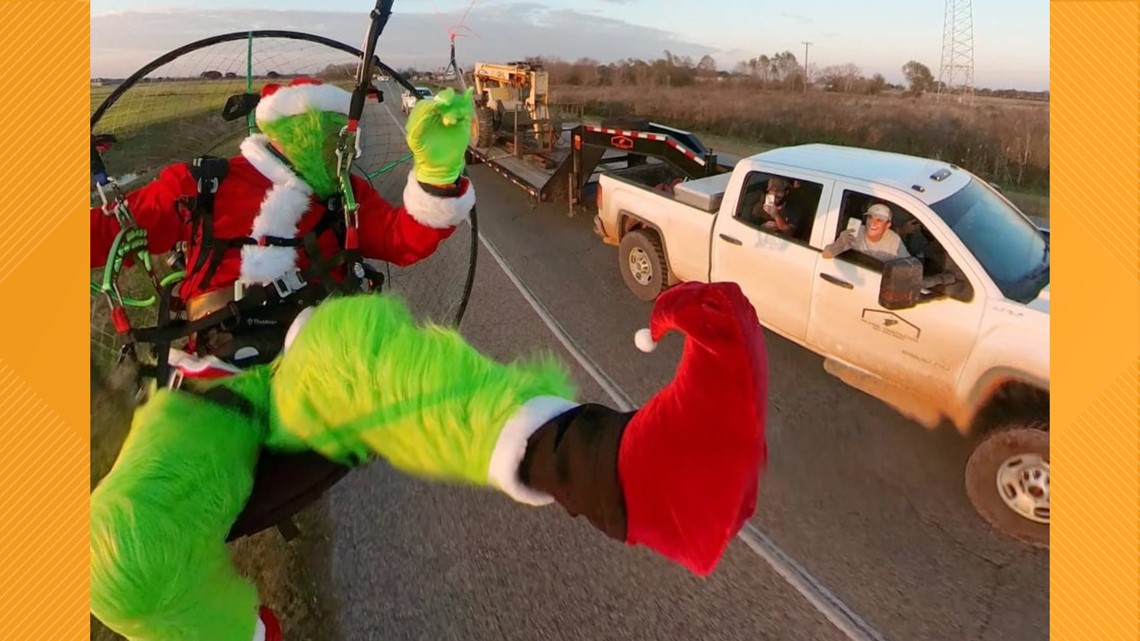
124	41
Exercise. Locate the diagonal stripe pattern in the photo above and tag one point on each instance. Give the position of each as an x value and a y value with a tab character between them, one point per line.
44	582
43	497
1096	175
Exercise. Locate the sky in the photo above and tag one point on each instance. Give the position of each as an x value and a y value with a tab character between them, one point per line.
1011	37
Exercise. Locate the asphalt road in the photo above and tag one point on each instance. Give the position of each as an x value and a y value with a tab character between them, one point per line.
872	505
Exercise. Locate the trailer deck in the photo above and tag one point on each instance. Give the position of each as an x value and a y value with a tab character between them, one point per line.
562	172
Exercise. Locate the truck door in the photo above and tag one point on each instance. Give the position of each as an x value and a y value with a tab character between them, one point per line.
773	264
922	348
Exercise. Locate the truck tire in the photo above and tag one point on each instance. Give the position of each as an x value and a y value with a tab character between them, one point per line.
1007	480
642	263
484	127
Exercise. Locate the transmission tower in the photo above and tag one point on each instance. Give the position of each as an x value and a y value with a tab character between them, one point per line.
956	75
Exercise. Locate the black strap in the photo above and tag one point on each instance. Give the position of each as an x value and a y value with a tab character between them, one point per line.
208	172
227	398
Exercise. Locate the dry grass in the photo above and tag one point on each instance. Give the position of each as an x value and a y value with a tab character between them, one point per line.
1005	141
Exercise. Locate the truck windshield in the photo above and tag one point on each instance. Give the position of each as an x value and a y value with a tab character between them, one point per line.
1012	250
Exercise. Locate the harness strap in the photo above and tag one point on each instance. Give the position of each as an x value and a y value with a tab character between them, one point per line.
208	172
225	397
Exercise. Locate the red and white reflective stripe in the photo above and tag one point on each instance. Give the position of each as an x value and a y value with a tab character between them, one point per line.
199	367
629	134
689	153
655	137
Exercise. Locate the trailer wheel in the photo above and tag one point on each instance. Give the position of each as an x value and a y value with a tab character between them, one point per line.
642	263
484	127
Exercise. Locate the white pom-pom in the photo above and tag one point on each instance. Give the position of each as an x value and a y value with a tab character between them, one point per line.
644	340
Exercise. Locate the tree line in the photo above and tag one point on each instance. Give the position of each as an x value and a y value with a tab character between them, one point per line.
778	71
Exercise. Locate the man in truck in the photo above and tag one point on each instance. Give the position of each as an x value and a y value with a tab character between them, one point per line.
772	213
875	238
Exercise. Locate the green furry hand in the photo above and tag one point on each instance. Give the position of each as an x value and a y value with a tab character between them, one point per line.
439	130
363	378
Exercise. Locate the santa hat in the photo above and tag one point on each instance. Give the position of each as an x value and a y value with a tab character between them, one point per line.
691	458
300	95
287	201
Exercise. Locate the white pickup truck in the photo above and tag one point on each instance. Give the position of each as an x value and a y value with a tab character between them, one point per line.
958	331
408	100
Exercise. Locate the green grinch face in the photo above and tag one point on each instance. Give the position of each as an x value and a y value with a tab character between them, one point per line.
309	141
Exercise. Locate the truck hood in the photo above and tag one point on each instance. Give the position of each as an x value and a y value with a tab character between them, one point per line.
1041	303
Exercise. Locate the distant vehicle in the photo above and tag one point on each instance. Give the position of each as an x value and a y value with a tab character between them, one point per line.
408	101
957	332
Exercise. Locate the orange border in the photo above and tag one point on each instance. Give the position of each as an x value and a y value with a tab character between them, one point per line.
44	399
1096	88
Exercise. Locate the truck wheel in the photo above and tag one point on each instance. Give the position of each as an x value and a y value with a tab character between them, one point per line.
642	263
484	127
1007	480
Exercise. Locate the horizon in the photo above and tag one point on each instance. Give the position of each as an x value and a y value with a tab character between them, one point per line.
127	34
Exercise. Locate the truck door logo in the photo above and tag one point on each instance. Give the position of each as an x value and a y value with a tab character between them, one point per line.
622	142
891	324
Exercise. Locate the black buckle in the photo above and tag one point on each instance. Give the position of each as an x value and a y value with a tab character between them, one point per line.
289	283
213	189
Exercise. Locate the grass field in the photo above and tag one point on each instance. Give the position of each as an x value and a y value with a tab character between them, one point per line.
1002	140
1033	204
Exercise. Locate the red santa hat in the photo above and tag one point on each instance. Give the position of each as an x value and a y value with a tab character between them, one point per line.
300	95
691	458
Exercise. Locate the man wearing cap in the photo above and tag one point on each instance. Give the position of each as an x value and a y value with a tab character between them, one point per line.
875	238
771	213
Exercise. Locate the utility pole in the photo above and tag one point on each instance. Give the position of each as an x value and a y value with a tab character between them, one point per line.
806	45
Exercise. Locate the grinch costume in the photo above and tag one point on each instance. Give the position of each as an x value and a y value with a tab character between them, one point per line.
358	380
270	220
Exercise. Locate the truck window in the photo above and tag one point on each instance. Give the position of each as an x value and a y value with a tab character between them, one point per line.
769	198
1011	250
901	235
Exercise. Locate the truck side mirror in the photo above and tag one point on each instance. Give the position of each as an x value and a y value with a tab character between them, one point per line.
901	285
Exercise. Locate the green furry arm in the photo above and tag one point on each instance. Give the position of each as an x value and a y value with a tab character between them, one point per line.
160	569
363	378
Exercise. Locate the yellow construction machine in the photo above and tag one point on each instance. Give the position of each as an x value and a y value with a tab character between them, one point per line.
512	99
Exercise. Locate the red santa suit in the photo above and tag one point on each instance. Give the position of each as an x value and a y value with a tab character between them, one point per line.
261	196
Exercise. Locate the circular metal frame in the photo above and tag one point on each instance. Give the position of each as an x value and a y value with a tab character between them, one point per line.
141	73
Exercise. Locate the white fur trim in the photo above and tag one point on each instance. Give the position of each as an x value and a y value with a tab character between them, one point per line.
296	326
503	472
644	340
281	211
290	101
433	211
259	630
255	149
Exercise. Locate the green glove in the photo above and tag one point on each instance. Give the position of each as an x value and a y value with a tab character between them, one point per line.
363	377
439	130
